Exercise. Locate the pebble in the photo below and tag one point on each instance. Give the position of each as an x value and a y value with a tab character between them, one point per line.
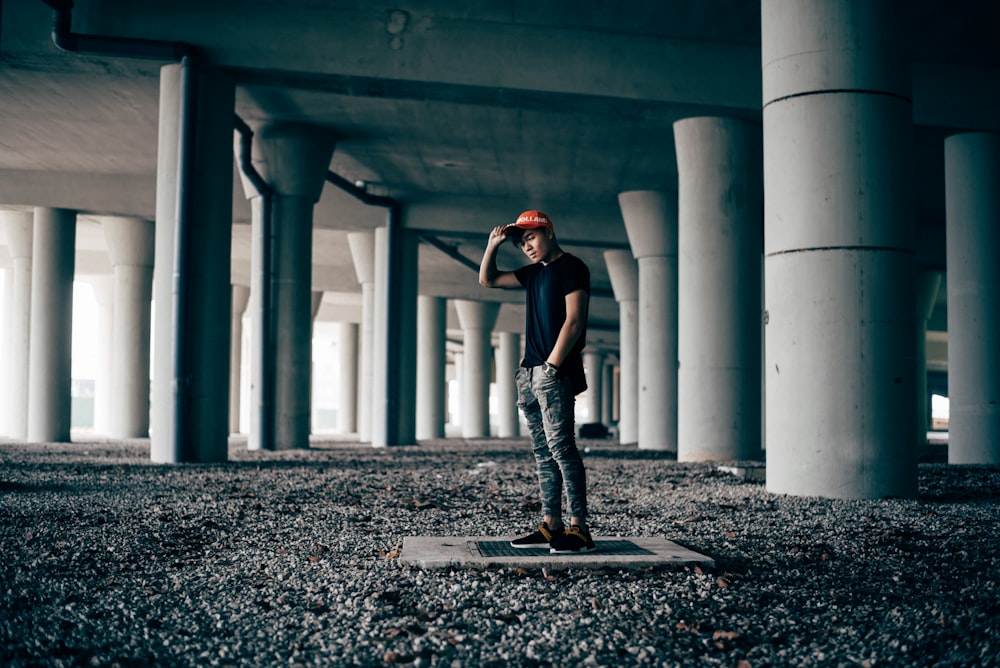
291	558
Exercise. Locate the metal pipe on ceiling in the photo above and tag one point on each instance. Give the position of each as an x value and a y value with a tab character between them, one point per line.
109	45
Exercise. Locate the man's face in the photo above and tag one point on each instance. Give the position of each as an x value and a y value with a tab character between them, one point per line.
536	244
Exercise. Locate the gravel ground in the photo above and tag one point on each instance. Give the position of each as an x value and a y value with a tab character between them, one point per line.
292	559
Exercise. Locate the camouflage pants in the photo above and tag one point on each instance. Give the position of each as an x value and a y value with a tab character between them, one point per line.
548	407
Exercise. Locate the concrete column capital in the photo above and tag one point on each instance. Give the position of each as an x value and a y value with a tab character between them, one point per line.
477	315
362	246
241	297
713	144
834	45
317	301
103	287
974	152
18	229
928	284
624	275
293	158
131	241
650	218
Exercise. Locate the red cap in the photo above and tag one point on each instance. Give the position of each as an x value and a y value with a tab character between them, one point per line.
530	220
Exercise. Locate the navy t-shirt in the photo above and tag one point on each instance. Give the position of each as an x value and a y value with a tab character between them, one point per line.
546	287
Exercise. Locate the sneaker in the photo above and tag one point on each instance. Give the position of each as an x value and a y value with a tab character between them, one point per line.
572	541
540	538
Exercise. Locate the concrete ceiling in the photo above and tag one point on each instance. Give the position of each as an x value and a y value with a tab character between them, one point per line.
468	112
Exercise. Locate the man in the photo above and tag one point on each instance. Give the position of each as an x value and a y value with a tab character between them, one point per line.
557	287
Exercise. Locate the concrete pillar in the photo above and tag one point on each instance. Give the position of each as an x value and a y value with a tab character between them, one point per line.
616	400
240	299
394	404
508	358
651	223
50	358
593	364
6	313
972	172
380	338
362	245
457	418
608	394
189	421
261	362
293	159
317	302
431	325
131	249
347	407
928	283
719	302
104	295
19	229
624	274
839	267
477	320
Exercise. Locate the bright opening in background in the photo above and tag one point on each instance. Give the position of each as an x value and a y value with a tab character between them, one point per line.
939	412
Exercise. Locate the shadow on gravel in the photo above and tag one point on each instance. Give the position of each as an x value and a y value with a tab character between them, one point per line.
986	496
955	483
21	488
630	455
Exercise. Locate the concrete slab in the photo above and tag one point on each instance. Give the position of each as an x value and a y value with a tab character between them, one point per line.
430	552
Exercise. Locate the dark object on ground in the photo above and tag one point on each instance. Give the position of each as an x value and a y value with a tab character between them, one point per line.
593	430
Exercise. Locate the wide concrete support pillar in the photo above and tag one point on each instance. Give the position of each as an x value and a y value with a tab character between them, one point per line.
650	218
191	284
50	358
395	366
624	274
928	284
972	175
431	324
240	299
362	245
508	358
347	406
593	364
293	160
104	295
19	231
719	302
477	320
131	247
839	262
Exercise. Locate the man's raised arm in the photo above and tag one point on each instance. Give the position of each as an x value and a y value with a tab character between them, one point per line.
489	275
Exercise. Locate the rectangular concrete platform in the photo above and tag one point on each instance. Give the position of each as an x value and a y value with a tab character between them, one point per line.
431	552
